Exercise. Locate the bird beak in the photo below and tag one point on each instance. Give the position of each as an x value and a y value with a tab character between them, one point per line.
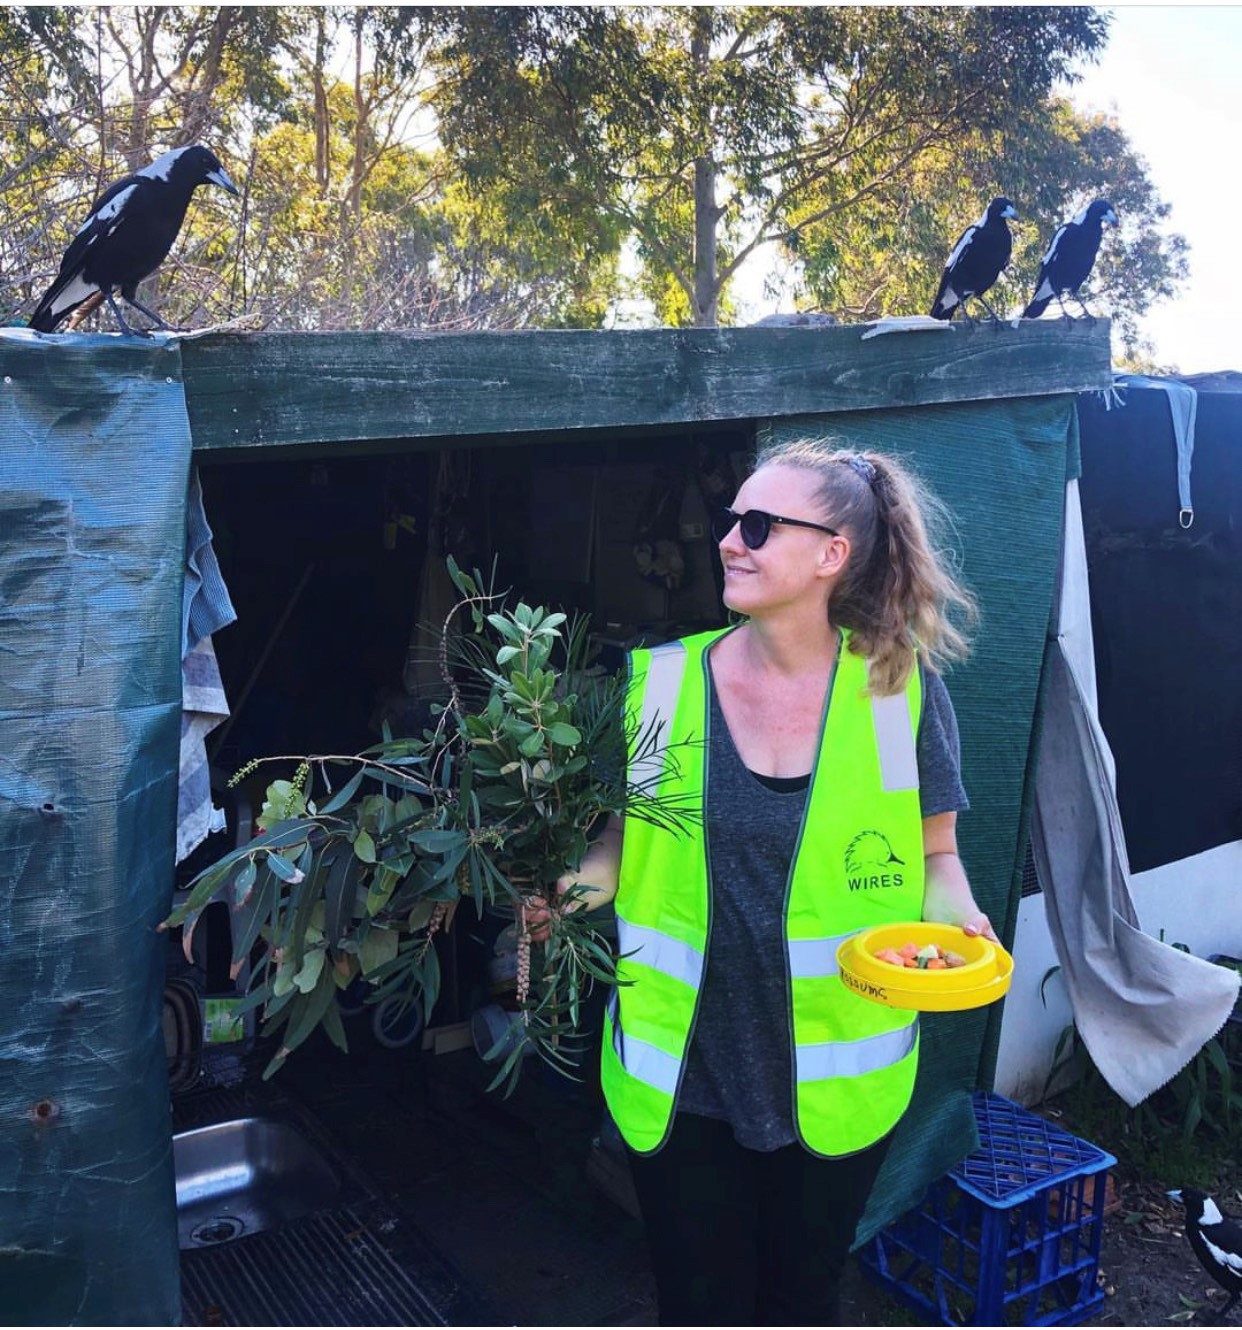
1175	1194
1010	212
1111	219
221	178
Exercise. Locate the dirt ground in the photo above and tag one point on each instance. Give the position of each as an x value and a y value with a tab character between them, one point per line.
1149	1273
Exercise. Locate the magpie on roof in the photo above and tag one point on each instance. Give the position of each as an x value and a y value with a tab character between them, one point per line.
127	235
978	259
1070	258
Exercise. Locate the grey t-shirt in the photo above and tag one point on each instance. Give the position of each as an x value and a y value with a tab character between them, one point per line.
738	1066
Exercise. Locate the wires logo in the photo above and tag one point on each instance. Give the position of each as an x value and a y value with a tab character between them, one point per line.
870	862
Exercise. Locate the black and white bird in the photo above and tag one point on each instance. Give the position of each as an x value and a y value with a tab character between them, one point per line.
1070	258
1215	1239
978	259
128	235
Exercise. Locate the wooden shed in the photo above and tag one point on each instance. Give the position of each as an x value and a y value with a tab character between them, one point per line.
337	469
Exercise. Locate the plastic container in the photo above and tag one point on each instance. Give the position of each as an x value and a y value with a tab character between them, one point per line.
492	1025
984	978
1011	1236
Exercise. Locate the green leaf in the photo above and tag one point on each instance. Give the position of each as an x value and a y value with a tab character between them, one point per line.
510	1067
452	862
334	1027
364	846
312	966
420	915
202	891
243	882
383	885
438	840
430	981
378	948
1055	969
531	745
311	1012
284	868
338	893
565	735
252	914
344	794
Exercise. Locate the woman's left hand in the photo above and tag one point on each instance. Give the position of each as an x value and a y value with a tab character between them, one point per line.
947	898
979	924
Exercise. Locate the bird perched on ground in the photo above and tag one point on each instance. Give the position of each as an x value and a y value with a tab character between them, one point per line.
978	259
127	235
1070	258
1215	1239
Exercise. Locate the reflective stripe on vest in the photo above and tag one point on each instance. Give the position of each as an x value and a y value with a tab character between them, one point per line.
812	957
645	1062
855	1057
658	951
655	718
858	861
899	759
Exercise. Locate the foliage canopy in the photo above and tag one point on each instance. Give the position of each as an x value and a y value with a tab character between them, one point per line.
489	167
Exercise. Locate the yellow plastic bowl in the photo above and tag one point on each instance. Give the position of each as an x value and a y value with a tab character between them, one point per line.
984	978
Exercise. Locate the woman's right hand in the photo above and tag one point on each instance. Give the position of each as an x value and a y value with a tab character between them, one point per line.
539	912
596	876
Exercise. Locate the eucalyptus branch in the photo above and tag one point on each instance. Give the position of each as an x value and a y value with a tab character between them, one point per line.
357	883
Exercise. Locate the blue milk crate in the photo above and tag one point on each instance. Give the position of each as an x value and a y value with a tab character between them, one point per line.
1011	1236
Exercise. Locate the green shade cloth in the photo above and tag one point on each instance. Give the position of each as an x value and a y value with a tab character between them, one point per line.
1000	469
94	461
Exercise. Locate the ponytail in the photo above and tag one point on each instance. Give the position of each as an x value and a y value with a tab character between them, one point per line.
896	594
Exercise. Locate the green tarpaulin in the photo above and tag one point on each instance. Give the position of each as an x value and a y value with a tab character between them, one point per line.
94	459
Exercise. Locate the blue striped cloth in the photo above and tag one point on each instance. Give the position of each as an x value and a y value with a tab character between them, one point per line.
205	608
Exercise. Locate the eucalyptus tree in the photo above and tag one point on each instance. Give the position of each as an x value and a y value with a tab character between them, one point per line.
707	132
885	256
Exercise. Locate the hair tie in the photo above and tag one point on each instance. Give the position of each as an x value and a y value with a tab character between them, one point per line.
862	467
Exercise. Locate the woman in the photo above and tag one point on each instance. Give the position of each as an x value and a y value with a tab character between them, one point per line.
755	1093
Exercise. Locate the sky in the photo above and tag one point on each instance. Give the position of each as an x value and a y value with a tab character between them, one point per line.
1171	74
1173	77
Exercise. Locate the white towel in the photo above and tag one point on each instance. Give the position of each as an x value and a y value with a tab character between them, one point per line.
1142	1007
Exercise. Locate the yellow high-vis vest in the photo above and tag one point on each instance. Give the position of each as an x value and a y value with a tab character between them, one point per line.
858	862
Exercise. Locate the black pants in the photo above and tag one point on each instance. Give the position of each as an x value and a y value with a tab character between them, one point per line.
746	1237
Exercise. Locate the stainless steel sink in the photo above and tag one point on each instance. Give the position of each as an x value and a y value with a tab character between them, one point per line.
244	1176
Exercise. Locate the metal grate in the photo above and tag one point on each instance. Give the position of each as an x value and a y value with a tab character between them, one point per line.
328	1269
358	1263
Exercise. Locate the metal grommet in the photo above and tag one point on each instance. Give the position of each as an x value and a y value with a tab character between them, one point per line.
8	378
1185	518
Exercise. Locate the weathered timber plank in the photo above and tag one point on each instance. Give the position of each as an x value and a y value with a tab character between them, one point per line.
299	388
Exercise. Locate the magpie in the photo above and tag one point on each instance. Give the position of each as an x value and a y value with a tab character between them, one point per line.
1215	1239
978	259
127	235
1070	258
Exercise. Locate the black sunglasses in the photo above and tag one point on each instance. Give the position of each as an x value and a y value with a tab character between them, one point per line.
756	525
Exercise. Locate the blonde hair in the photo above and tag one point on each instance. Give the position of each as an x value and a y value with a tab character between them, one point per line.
896	594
